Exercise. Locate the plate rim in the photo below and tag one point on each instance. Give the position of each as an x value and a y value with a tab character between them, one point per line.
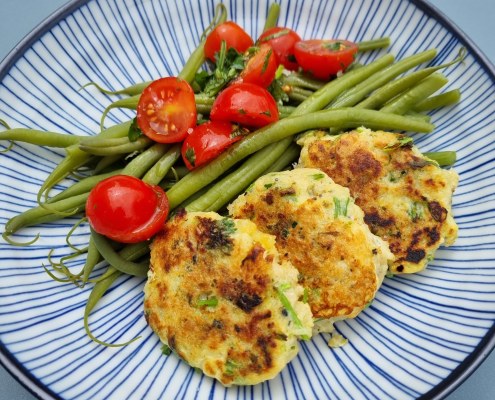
462	372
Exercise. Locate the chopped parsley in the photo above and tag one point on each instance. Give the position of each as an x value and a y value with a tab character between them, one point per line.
317	177
403	141
134	132
416	211
229	64
166	351
206	301
341	206
191	156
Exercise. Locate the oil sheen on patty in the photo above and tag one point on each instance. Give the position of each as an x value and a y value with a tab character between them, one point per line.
405	196
321	231
220	298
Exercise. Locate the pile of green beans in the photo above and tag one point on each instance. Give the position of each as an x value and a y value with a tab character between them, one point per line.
380	95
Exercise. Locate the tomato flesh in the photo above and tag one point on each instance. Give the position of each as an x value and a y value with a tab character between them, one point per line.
260	68
325	58
126	209
207	141
247	104
233	35
282	41
166	110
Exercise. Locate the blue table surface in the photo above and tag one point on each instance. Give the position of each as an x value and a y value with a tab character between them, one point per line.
474	17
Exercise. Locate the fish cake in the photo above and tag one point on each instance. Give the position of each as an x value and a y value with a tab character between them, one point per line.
220	298
406	197
322	233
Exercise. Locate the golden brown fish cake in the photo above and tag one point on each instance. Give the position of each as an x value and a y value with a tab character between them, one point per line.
405	196
322	232
219	297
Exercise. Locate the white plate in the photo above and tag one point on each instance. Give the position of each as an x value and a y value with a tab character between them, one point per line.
419	337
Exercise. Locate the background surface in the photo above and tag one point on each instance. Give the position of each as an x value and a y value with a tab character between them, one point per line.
474	17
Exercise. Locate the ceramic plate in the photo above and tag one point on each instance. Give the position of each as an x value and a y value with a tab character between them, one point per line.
420	336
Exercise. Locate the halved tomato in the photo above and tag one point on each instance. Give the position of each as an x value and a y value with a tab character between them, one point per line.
325	58
233	35
166	110
247	104
260	69
208	140
282	41
126	209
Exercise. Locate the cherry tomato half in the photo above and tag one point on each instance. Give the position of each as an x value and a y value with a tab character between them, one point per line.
325	58
126	209
166	110
282	41
260	68
207	141
247	104
233	35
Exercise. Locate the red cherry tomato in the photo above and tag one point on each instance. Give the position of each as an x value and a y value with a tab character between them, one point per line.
260	68
282	41
325	58
126	209
247	104
166	110
207	141
233	35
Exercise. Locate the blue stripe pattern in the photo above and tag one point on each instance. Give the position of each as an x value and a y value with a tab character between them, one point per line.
417	331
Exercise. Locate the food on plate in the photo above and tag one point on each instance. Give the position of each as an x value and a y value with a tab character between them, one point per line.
322	233
126	209
231	35
324	58
406	197
247	104
166	110
220	297
282	40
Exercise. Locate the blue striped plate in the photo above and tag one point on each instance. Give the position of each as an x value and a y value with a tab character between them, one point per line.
420	336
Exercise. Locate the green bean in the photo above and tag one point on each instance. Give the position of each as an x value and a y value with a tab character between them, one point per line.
105	162
272	17
441	100
361	90
39	215
177	172
159	170
40	138
116	260
411	97
418	115
299	94
75	158
323	96
93	257
395	87
128	253
125	147
144	161
302	81
341	118
443	158
374	44
130	90
96	294
289	157
231	185
285	111
129	103
83	186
